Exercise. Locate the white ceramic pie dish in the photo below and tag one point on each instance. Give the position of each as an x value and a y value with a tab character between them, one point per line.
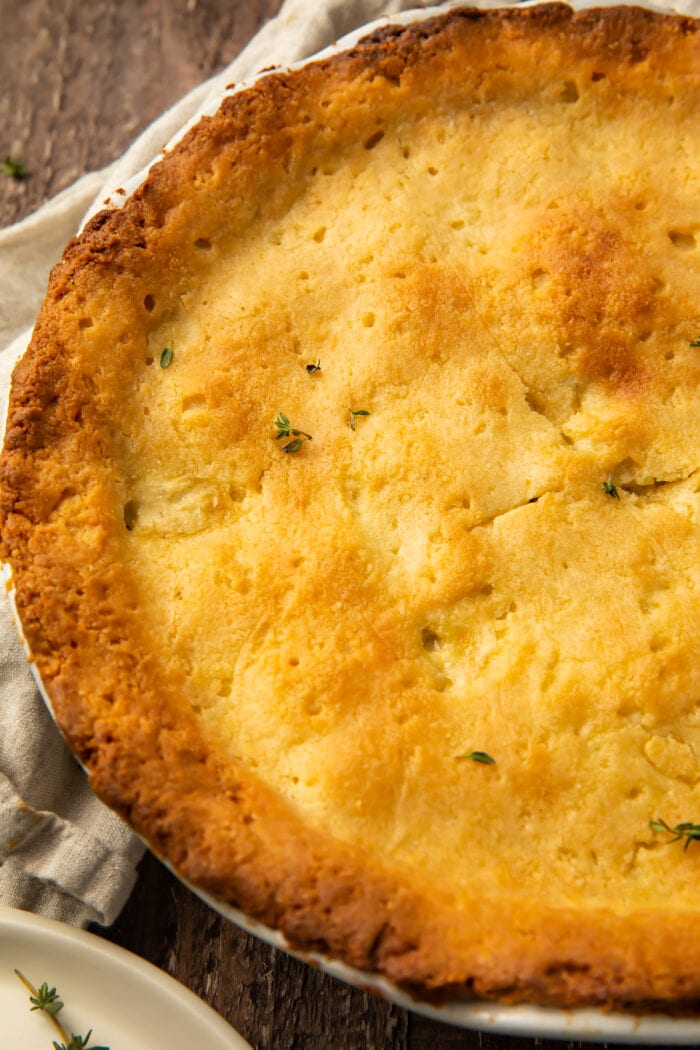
529	1021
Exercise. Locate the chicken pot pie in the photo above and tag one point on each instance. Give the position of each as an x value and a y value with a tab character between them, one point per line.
350	495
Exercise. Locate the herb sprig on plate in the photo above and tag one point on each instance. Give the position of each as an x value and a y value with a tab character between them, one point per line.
48	1001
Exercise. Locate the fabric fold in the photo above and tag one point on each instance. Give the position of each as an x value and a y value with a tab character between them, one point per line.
44	847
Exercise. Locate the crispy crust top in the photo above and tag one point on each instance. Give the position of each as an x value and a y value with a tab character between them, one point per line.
275	656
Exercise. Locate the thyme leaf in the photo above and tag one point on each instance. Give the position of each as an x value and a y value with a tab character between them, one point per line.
14	168
166	356
293	446
47	1000
285	430
354	412
610	488
78	1042
311	368
685	830
695	342
478	756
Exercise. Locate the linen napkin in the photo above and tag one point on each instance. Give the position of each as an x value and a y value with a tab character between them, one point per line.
62	853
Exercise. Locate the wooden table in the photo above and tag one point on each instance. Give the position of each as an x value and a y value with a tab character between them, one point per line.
79	80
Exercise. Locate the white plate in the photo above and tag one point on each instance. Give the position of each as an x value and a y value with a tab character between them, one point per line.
129	1004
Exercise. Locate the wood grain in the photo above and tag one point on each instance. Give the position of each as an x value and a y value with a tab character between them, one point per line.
272	999
80	80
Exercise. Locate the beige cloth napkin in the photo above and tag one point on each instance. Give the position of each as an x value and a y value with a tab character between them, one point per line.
62	853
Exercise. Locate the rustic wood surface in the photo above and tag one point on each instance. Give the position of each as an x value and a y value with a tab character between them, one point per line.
79	81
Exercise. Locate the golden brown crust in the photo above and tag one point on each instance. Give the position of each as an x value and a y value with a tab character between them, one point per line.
588	310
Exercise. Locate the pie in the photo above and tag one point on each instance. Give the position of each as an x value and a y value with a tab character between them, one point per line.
350	491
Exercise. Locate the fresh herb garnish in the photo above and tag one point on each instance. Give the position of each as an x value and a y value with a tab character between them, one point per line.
166	356
78	1042
478	756
685	830
610	488
47	1000
695	342
354	412
14	168
311	368
293	446
285	429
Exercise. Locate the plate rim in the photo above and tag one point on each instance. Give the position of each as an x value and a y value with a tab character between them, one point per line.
30	925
